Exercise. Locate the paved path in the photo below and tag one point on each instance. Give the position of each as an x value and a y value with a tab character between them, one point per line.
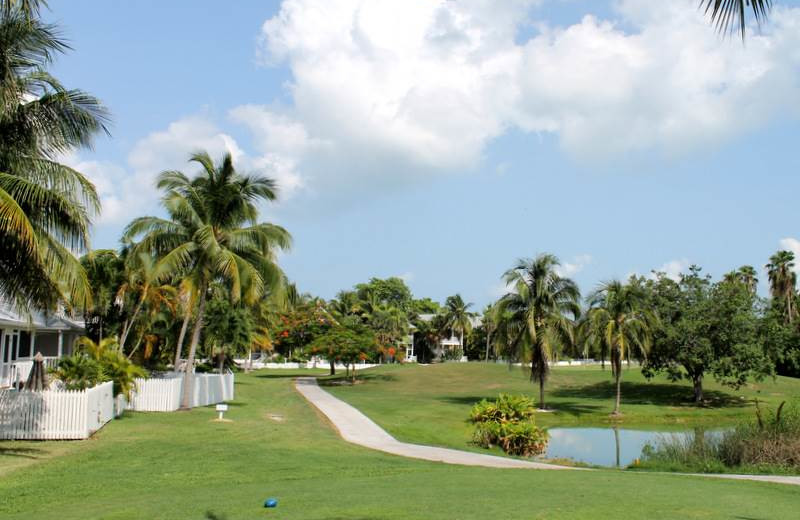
357	428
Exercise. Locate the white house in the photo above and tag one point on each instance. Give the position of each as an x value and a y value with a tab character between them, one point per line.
21	337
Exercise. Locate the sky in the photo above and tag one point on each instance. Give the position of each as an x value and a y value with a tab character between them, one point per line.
441	140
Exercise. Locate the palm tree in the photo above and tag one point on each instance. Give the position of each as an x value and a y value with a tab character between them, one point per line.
213	235
731	15
141	288
490	319
619	313
782	283
457	317
539	314
45	206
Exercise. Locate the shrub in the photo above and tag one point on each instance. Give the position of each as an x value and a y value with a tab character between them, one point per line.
508	423
507	408
97	363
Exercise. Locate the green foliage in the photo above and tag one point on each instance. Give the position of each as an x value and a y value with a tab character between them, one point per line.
105	270
506	408
348	345
46	207
94	363
508	423
79	371
768	444
228	327
391	291
706	328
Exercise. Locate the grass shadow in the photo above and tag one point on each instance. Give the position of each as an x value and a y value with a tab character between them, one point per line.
284	376
659	394
362	377
21	451
576	408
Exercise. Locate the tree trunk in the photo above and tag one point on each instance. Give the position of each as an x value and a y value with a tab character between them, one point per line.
188	374
542	404
333	366
126	329
181	337
618	377
221	359
249	365
697	382
488	341
354	372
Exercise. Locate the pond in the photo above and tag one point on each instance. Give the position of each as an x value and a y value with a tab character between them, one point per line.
602	446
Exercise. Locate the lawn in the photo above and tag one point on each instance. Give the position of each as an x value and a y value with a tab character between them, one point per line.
183	465
430	404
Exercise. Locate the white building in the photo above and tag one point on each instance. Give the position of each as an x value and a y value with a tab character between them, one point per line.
21	337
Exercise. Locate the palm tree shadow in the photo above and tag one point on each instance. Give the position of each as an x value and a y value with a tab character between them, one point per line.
650	393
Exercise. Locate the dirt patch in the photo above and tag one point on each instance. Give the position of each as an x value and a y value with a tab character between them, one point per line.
276	417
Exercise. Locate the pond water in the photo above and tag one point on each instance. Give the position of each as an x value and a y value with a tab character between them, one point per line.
601	446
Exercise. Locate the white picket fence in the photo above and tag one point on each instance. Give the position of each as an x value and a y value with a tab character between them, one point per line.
164	394
55	414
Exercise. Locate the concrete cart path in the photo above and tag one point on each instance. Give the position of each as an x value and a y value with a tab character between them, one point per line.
357	428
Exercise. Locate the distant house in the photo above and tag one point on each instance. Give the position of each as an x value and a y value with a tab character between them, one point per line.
21	337
451	343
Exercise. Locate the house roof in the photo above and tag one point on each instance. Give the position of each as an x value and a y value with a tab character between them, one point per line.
36	319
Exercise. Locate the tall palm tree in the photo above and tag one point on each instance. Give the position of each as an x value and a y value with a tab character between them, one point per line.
782	283
619	313
540	314
731	15
457	317
213	234
45	206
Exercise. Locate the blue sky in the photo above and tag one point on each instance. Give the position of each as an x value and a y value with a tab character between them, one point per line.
440	141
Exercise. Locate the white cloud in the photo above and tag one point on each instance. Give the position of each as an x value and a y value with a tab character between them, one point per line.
793	245
568	269
128	191
432	83
672	269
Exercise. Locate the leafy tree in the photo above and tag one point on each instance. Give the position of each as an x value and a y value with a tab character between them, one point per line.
538	315
347	344
620	313
392	291
212	234
782	283
228	328
105	270
45	206
705	329
425	306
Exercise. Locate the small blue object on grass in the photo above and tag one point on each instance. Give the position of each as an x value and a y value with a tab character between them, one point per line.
270	502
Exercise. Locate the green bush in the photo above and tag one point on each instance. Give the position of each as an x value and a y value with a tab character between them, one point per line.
508	423
96	363
506	408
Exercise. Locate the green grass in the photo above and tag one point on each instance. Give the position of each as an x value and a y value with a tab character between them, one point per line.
430	404
181	465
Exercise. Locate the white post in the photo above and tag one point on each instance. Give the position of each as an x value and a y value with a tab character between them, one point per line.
33	336
2	354
60	343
